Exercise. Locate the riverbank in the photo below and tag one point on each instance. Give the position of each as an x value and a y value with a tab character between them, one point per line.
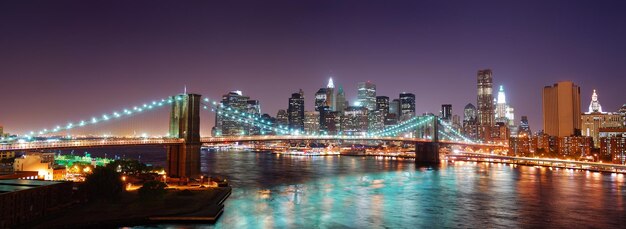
198	205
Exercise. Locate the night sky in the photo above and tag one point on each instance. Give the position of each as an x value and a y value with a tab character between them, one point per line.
65	61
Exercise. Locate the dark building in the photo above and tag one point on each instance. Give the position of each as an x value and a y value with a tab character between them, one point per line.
446	112
407	105
382	105
394	107
486	110
523	126
340	100
282	119
296	111
332	122
23	201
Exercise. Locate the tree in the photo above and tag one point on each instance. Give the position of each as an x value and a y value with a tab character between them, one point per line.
103	183
152	189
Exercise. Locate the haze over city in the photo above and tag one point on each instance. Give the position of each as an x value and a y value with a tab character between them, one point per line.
97	57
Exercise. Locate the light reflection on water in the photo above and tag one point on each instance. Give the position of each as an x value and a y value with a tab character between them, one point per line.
272	191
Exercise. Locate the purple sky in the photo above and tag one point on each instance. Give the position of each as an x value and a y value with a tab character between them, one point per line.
68	60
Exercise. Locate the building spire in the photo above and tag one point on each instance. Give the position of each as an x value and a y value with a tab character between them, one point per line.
595	106
330	83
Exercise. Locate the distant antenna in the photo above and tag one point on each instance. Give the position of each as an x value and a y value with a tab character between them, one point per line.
185	90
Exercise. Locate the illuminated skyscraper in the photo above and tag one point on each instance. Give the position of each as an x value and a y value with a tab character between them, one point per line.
561	109
394	107
366	95
296	111
504	112
407	106
485	109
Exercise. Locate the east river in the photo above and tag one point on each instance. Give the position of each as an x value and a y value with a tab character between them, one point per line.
278	191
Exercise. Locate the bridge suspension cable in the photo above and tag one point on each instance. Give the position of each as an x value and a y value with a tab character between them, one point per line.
114	115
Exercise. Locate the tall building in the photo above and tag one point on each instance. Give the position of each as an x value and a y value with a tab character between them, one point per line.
486	111
340	100
321	99
561	109
311	122
382	105
296	111
228	125
355	120
470	121
332	99
504	112
595	119
366	95
446	112
407	105
394	107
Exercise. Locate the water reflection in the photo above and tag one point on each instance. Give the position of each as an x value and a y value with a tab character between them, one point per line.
355	192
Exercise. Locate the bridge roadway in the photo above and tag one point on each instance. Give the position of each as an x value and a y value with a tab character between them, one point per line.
110	142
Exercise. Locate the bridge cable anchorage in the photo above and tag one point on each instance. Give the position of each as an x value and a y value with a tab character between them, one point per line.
126	112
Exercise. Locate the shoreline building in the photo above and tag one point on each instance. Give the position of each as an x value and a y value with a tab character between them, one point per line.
561	109
595	119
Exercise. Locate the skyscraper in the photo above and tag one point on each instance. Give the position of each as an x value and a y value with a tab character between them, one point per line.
366	95
446	112
504	112
382	104
330	94
407	106
394	107
470	121
485	104
561	109
355	120
340	103
227	125
296	111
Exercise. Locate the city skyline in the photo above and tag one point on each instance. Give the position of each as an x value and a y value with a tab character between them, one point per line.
137	61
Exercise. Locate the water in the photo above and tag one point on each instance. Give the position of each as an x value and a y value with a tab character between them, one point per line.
358	192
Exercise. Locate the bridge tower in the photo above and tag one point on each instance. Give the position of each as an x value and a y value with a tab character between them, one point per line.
183	160
428	152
